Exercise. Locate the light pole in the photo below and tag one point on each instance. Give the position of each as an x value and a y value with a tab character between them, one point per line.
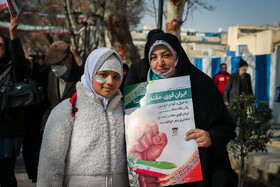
160	12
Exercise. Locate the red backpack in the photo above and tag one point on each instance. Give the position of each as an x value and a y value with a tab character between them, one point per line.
72	100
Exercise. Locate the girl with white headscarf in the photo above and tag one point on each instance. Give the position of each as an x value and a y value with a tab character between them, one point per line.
88	150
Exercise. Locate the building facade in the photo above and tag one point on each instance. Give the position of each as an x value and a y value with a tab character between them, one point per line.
253	40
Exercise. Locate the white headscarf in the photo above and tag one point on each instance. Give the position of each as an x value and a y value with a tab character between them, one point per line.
93	63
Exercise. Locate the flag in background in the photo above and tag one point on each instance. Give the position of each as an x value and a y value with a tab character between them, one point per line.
60	16
81	17
27	13
3	4
43	14
6	11
14	6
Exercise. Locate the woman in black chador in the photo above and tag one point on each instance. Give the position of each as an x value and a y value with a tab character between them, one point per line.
165	58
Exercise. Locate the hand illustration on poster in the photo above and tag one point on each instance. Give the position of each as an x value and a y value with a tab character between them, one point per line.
147	145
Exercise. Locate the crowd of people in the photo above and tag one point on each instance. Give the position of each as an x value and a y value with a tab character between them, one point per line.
81	141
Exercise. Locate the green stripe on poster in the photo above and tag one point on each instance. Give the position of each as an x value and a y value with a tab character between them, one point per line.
159	97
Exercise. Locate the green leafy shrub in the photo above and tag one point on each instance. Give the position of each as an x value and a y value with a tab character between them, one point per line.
253	128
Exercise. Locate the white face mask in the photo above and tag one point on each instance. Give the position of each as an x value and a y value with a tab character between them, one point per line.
168	74
59	70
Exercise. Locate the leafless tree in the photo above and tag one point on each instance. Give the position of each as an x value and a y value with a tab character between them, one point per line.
117	24
177	12
177	8
135	12
89	33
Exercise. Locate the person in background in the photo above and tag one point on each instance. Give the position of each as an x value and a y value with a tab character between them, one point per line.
12	130
221	78
32	59
125	69
165	58
134	77
89	148
33	118
41	58
125	72
238	82
62	78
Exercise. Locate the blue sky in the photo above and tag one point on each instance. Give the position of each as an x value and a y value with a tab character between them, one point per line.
230	13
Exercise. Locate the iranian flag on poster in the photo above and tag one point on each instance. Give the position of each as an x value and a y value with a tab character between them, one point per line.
3	4
157	116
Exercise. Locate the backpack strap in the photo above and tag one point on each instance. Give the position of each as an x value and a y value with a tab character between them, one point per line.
72	100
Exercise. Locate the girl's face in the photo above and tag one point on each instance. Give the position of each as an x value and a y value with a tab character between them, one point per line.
161	59
106	83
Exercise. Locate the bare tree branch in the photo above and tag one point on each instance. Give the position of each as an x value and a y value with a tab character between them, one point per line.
135	11
190	5
177	8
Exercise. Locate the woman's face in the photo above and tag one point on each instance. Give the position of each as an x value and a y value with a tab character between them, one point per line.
161	59
106	83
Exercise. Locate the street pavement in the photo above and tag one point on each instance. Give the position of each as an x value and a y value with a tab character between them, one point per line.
21	175
262	169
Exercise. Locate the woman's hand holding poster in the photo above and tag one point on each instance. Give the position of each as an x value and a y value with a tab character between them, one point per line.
157	116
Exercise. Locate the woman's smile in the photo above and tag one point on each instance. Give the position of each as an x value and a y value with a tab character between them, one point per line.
162	70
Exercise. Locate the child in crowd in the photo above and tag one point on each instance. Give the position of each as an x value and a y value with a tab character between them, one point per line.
87	147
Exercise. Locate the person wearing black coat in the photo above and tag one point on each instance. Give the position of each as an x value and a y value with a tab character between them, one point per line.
12	129
212	118
57	86
33	117
125	71
238	82
63	77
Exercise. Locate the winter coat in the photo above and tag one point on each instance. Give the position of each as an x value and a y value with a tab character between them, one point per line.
91	145
53	95
233	86
12	122
210	114
220	80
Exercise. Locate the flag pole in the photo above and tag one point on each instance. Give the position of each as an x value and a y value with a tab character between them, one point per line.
18	13
9	9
